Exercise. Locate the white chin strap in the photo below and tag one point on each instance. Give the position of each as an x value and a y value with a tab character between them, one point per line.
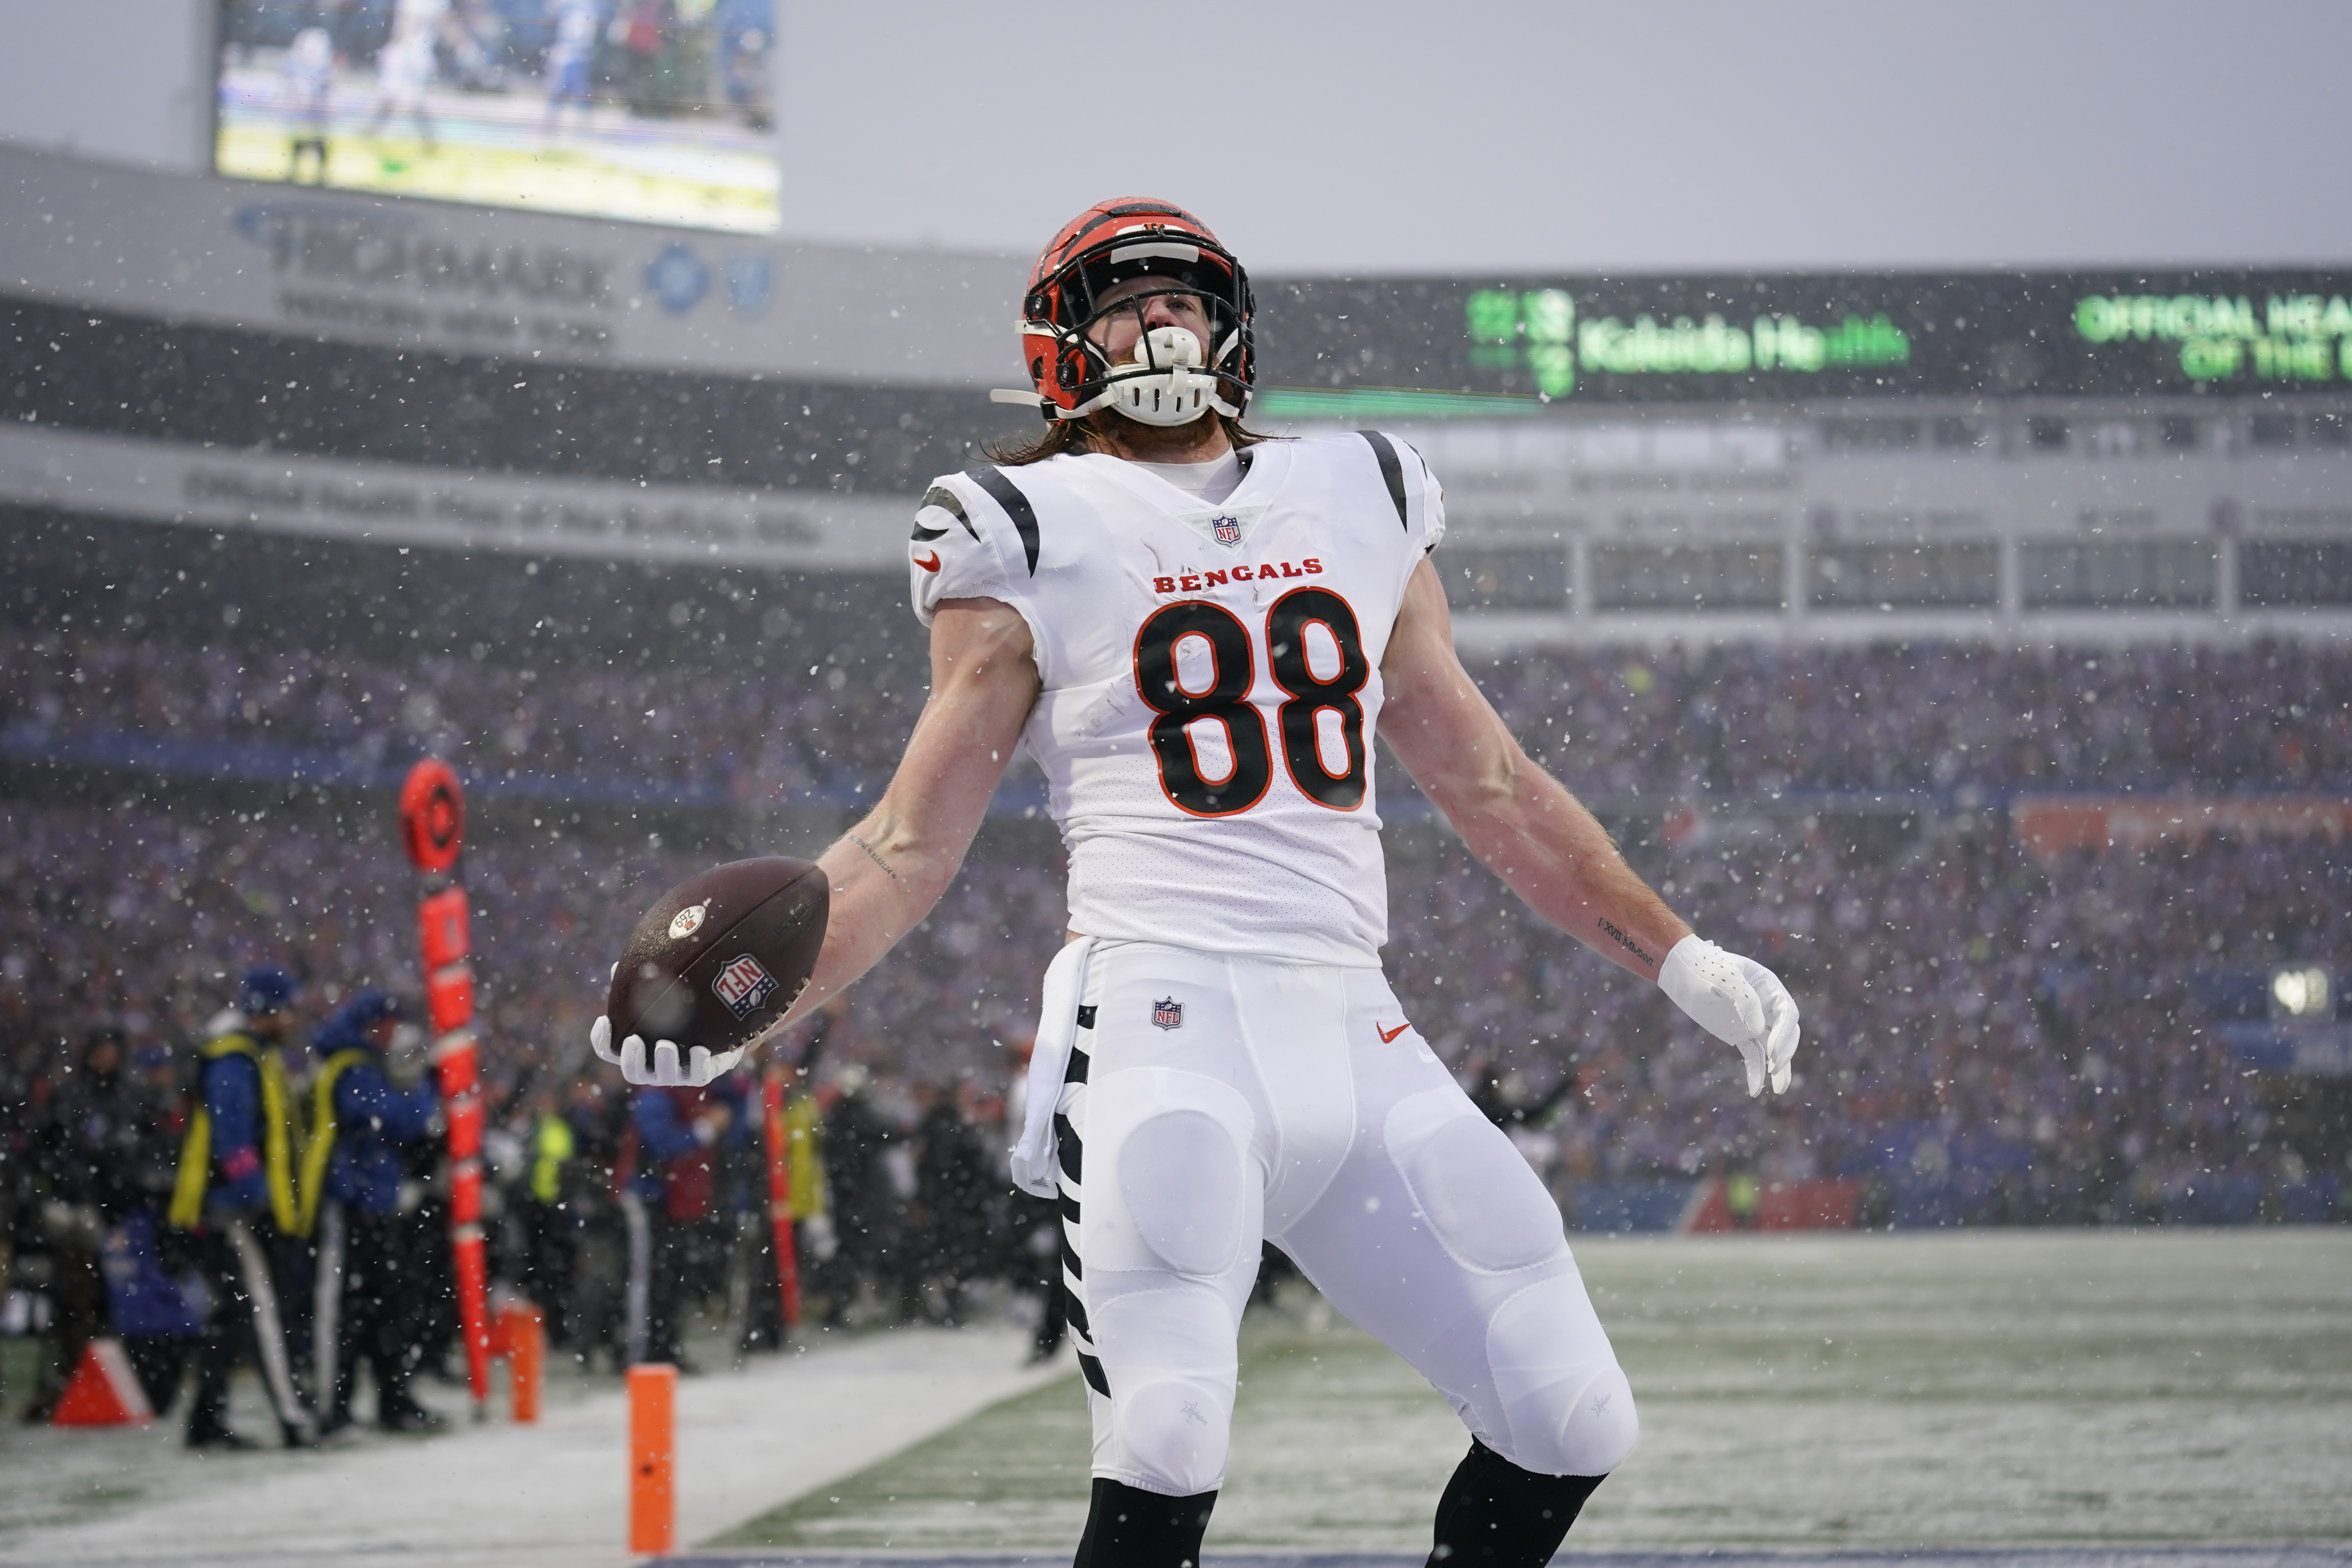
1172	388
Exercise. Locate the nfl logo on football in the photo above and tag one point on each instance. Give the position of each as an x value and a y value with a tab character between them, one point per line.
743	985
1228	530
1168	1014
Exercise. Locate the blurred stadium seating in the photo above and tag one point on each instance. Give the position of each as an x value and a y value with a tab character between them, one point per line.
1993	1034
1866	661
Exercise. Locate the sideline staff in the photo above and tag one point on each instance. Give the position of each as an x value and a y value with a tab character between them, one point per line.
361	1125
237	1176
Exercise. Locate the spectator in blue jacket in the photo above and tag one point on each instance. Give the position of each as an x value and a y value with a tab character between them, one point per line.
234	1191
361	1124
672	1205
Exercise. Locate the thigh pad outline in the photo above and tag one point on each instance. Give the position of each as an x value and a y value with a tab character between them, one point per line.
1179	1151
1488	1207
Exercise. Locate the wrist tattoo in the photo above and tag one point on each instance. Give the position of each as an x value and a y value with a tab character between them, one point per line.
875	855
1627	942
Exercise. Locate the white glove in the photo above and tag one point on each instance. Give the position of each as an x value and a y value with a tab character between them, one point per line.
1739	1002
664	1072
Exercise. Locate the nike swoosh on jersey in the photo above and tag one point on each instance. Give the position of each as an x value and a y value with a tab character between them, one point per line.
931	563
1388	1035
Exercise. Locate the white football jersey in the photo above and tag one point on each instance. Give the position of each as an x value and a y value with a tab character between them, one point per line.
1212	678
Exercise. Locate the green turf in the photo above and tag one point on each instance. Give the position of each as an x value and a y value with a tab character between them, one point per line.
20	1368
957	1489
565	176
1982	1389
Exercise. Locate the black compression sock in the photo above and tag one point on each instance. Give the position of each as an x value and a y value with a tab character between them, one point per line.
1129	1527
1495	1515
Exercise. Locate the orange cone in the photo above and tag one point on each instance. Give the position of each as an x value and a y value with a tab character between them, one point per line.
103	1391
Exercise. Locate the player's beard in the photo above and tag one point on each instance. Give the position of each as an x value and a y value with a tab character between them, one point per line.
1194	441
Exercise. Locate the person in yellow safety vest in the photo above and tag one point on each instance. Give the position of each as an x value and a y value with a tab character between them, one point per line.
814	1242
551	1146
366	1292
804	1135
235	1192
1743	1194
755	1304
755	1298
811	1204
543	1209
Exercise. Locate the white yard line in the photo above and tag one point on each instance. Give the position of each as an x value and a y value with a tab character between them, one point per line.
501	1495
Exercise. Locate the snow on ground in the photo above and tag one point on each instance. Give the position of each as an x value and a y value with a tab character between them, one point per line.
1979	1400
1961	1391
498	1494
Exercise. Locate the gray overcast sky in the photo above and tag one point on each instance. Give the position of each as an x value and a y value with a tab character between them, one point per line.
1486	135
1478	135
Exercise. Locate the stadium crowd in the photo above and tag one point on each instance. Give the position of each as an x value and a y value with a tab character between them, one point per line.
1990	1037
2020	1039
1755	720
751	740
1616	724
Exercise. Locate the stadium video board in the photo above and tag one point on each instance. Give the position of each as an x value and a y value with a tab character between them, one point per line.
1789	337
646	110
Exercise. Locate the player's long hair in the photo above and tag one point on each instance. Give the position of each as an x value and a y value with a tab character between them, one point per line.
1079	436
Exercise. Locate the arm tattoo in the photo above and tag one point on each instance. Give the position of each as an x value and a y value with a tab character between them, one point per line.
874	855
1627	942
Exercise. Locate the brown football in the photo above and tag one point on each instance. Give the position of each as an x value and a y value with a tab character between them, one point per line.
722	956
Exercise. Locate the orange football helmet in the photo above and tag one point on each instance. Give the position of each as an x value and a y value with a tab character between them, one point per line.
1173	381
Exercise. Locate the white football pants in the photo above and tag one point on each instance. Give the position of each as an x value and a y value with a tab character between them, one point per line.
1213	1101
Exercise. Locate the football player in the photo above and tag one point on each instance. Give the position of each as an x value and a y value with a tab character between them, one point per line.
1197	632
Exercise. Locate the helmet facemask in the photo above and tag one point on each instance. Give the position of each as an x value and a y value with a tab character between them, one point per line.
1168	376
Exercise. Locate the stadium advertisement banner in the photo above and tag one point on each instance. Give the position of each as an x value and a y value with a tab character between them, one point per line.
327	265
507	285
1794	337
2050	825
656	113
396	503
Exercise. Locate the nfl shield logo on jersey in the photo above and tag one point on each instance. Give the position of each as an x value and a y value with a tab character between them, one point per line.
1228	530
743	985
1168	1014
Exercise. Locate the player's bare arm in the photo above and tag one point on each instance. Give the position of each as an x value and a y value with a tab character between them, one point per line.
1520	822
886	873
1525	827
883	875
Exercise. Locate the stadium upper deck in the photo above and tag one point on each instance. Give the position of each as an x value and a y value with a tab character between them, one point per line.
2038	458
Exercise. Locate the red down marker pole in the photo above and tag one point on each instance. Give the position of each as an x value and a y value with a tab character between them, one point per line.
432	825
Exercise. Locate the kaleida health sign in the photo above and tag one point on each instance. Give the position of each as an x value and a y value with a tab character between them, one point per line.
1695	339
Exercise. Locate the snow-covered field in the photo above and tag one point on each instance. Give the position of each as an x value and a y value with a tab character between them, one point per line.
2134	1399
499	1495
1984	1389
